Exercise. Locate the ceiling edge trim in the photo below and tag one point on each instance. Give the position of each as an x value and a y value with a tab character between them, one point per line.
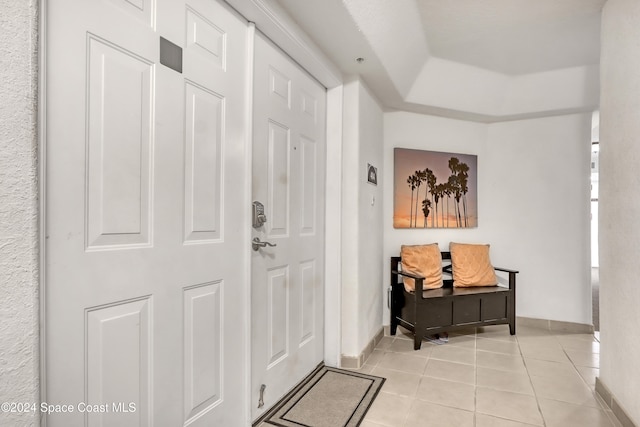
276	24
485	118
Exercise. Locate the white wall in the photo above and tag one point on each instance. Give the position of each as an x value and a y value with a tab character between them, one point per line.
18	210
501	96
619	206
557	90
361	219
539	209
533	203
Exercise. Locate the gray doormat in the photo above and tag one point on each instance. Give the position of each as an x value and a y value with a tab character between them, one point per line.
330	397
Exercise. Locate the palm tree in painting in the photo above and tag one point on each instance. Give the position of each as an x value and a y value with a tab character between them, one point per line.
439	194
426	204
457	194
411	180
420	178
463	179
448	190
454	165
431	185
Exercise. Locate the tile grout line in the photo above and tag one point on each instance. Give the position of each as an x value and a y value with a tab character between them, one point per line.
608	412
535	393
475	382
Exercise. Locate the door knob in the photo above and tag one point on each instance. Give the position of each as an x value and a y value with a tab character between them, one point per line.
257	244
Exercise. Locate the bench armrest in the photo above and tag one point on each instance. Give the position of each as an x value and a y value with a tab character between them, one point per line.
506	270
512	276
406	273
419	281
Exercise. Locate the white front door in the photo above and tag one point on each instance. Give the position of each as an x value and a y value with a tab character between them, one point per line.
288	179
144	290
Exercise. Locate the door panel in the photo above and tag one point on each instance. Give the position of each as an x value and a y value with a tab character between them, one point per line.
142	213
204	119
206	39
119	144
307	306
309	186
119	362
278	180
278	310
203	357
288	177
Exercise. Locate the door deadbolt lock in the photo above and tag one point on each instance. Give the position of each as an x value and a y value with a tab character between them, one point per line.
259	218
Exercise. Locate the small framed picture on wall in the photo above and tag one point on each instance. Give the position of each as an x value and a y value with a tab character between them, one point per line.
372	174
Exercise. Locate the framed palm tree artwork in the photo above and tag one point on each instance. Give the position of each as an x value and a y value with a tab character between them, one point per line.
434	189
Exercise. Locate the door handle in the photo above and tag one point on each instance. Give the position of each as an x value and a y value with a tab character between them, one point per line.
257	244
261	400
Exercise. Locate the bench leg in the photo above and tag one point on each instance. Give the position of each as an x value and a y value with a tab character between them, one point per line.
417	341
418	334
393	325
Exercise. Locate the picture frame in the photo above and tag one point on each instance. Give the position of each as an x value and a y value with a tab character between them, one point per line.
435	189
372	174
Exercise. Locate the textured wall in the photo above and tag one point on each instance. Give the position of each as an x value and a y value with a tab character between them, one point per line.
18	209
619	204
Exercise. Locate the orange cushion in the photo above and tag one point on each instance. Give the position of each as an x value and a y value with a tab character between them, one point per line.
422	260
471	265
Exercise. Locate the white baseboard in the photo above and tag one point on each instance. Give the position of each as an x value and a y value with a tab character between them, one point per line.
554	325
613	404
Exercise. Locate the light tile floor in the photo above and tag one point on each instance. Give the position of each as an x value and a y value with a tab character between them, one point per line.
485	377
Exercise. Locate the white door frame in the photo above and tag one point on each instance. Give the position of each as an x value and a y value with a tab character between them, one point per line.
282	30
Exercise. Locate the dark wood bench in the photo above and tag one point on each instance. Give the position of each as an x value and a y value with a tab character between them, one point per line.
449	308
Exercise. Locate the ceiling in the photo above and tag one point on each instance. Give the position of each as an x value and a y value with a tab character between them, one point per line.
514	36
413	47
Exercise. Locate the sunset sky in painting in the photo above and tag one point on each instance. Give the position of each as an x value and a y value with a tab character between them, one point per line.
407	162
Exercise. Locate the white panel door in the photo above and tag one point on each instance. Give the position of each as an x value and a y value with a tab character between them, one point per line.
143	293
288	178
